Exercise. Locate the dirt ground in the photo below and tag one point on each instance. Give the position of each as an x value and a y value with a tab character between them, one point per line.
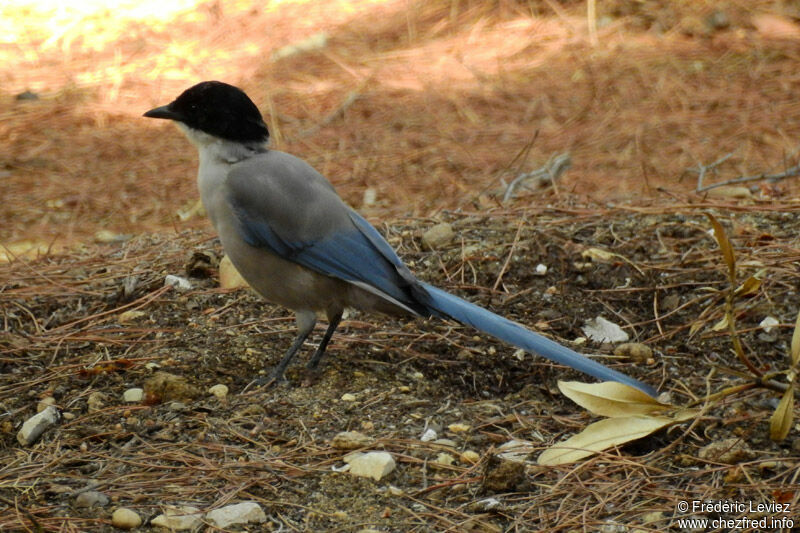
418	112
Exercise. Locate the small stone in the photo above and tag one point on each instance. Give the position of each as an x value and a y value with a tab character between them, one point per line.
219	390
347	397
180	518
44	403
458	428
470	457
130	316
96	401
350	440
229	277
105	236
635	351
733	193
33	427
429	435
439	235
728	451
133	395
444	459
372	464
395	491
541	270
239	513
654	516
503	476
418	376
166	387
182	284
124	518
91	498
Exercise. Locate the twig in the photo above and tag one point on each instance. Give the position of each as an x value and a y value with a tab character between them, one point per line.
701	170
549	173
790	172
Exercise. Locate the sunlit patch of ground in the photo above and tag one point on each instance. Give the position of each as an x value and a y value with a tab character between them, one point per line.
415	106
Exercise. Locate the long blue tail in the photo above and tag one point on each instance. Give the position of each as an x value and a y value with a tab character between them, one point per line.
446	305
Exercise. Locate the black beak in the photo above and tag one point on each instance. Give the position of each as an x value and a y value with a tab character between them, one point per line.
163	112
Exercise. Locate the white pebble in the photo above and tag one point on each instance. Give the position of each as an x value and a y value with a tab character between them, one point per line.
33	427
133	395
219	390
124	518
239	513
372	464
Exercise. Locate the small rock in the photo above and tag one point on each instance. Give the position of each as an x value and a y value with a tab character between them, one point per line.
229	277
728	451
239	513
44	403
166	387
439	235
350	440
133	395
503	476
182	284
395	491
105	236
130	316
91	498
429	435
541	270
635	351
654	516
733	193
219	390
124	518
470	457
372	464
179	518
444	459
33	427
347	397
96	401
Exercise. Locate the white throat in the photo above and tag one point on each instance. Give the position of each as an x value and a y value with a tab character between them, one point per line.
216	158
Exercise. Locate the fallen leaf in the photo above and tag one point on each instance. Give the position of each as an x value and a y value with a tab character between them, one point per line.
725	246
781	421
602	330
608	433
611	399
795	351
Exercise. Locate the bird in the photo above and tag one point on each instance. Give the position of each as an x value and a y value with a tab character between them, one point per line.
298	245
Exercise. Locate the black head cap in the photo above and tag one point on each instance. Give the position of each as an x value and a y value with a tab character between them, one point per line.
218	109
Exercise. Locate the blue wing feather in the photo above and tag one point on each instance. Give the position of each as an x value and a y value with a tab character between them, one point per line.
356	254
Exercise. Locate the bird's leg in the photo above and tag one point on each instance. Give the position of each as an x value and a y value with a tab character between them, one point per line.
333	323
305	325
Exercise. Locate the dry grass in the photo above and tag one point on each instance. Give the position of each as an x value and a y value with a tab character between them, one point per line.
431	106
441	98
64	339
